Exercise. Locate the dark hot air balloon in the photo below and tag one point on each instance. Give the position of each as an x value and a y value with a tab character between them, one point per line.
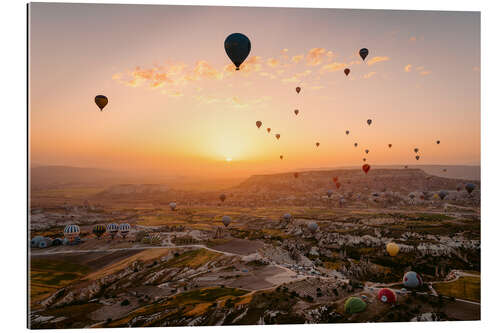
417	157
237	48
277	136
470	187
296	175
347	132
347	71
297	89
390	145
268	130
281	157
317	144
369	122
258	123
101	101
363	53
296	111
222	197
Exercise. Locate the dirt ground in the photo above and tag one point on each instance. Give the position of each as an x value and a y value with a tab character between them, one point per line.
239	246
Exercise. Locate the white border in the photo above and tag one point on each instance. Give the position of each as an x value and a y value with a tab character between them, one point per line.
13	159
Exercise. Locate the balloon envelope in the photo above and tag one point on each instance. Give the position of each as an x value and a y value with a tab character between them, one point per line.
363	53
386	295
392	249
297	89
412	280
237	48
258	123
101	101
366	168
470	187
347	71
296	112
226	220
277	136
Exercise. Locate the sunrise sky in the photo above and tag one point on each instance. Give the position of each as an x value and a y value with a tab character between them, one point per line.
177	106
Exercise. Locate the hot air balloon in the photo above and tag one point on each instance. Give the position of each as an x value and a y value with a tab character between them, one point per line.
124	229
417	157
470	187
297	89
312	226
412	280
438	141
390	145
406	167
337	185
355	144
287	217
71	231
369	122
35	241
347	132
258	123
281	157
222	197
226	220
347	71
296	111
442	194
444	170
386	295
364	159
172	205
99	230
354	305
415	150
459	187
277	136
112	229
335	179
363	53
317	144
237	48
366	168
392	249
296	175
329	193
101	101
367	151
268	130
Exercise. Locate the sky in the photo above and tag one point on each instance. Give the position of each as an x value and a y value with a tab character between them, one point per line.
178	107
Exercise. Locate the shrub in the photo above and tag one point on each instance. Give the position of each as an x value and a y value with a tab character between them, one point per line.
125	302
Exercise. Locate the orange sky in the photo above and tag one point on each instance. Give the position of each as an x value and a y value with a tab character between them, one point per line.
177	106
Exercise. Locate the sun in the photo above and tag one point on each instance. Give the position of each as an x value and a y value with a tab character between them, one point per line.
229	159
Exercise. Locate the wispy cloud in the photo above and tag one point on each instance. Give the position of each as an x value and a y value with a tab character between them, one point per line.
369	75
408	68
375	60
425	73
334	66
315	56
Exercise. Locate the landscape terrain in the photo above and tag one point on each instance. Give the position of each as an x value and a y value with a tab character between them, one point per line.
181	266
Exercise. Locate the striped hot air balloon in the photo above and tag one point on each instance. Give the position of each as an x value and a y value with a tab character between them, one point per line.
112	229
71	232
124	229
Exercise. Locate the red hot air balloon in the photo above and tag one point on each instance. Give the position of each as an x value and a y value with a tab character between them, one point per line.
335	179
338	185
347	71
317	144
258	123
386	295
296	111
268	130
277	136
366	168
297	89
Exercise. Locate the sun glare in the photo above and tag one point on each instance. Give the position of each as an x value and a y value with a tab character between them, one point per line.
228	159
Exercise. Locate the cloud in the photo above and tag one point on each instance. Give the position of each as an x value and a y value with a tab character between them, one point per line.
369	75
476	68
296	59
413	39
408	68
272	62
334	66
375	60
315	56
425	72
